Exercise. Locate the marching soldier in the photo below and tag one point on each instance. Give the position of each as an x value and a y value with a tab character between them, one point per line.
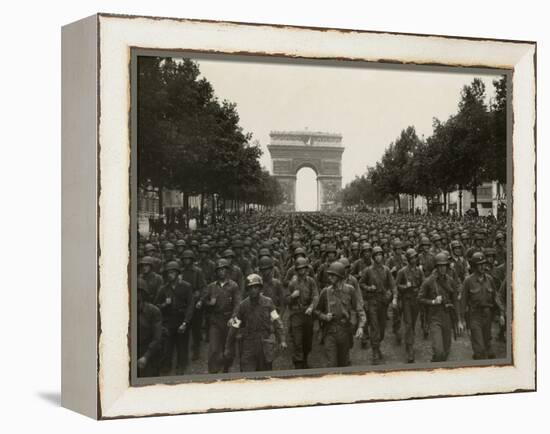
175	301
479	298
439	294
302	300
395	262
338	302
221	300
235	273
322	274
207	265
272	287
363	262
378	286
408	281
149	333
152	279
260	326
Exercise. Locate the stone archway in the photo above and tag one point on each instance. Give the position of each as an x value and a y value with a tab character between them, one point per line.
292	150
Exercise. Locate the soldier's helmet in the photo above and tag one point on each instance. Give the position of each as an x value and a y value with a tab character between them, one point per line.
146	260
299	251
265	263
254	280
499	236
366	246
490	251
436	237
300	263
465	236
315	242
228	254
204	247
354	246
455	244
180	243
188	254
168	247
172	265
331	248
377	251
441	259
411	253
238	244
264	252
477	258
479	236
424	241
345	262
222	263
397	244
149	248
337	269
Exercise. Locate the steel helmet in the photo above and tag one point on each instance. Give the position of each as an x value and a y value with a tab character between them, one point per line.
337	269
265	263
455	244
499	236
204	247
168	246
441	259
436	237
424	241
354	246
377	251
264	252
146	260
299	251
149	248
490	251
237	244
188	254
300	263
228	253
315	242
345	262
222	263
411	253
172	265
253	280
397	244
366	246
478	258
180	243
330	248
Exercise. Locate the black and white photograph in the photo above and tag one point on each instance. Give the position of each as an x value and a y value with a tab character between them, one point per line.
298	216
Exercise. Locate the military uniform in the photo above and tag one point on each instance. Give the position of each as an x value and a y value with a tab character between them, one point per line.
440	317
226	297
479	298
300	323
195	277
149	336
342	302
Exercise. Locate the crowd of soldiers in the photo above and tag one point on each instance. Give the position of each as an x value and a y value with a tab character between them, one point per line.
248	287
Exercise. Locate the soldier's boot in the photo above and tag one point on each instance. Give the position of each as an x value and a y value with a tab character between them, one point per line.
376	359
410	354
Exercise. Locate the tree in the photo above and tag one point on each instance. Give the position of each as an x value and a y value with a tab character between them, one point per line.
498	114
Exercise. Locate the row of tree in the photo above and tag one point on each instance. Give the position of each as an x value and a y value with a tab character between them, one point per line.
190	141
464	151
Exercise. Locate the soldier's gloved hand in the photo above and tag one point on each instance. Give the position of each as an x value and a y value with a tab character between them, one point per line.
359	333
309	310
283	345
295	293
142	362
182	327
438	299
461	327
394	302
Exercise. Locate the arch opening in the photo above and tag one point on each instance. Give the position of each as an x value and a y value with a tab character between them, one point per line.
307	190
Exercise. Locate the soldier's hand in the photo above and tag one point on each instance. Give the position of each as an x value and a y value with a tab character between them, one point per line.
142	362
461	327
502	320
182	327
328	316
295	293
309	311
438	299
394	303
283	345
212	301
199	304
359	333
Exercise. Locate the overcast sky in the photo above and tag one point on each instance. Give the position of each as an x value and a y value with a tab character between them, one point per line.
368	106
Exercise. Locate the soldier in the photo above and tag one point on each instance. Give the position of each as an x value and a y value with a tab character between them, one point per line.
457	261
322	275
149	333
354	249
338	302
194	276
479	298
153	280
299	252
235	273
302	300
272	287
500	249
207	265
426	261
395	262
260	325
363	262
408	281
221	300
315	258
264	252
439	294
351	280
479	240
175	301
378	286
240	259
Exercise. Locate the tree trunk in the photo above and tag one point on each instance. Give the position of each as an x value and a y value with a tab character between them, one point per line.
214	210
444	201
186	209
475	195
201	215
161	211
460	200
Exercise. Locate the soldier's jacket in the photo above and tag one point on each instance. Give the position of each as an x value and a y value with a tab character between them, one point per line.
342	301
395	263
236	275
377	282
359	266
309	294
322	275
195	277
496	274
473	250
154	283
352	280
500	257
480	292
315	262
260	319
180	308
208	268
443	285
244	265
412	275
427	262
273	288
228	297
149	330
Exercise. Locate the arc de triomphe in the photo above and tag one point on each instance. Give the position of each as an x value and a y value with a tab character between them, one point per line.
292	150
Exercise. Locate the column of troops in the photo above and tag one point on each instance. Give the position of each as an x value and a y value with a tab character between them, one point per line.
246	289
